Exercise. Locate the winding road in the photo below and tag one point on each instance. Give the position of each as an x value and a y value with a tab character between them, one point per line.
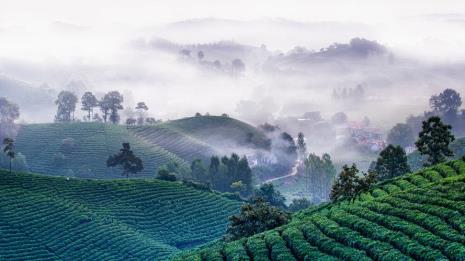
293	172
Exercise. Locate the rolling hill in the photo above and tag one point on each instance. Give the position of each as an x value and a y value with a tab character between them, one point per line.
219	131
419	216
55	218
81	149
43	146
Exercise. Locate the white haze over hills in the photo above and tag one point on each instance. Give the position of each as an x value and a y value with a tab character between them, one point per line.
411	51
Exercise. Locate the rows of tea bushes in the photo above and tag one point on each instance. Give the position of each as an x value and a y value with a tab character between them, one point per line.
48	218
419	216
91	144
174	141
220	130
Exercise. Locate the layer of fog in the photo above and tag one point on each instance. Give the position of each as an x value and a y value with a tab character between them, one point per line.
126	57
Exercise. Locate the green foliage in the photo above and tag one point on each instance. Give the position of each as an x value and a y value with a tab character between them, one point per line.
127	160
110	104
88	103
93	143
392	162
66	103
349	185
268	193
319	174
8	149
298	204
223	173
401	134
54	218
255	217
164	174
446	103
417	216
227	130
416	160
198	170
434	141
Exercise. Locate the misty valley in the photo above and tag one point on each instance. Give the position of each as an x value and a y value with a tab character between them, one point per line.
232	131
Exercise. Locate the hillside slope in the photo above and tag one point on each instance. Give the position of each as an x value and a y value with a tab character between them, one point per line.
93	143
54	218
419	216
220	132
47	148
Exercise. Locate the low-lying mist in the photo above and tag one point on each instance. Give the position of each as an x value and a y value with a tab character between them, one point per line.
161	65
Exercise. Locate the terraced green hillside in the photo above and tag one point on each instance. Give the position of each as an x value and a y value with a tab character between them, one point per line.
219	130
57	218
181	141
174	141
419	216
93	143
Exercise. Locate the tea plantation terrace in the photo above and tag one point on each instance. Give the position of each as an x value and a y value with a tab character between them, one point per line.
49	218
419	216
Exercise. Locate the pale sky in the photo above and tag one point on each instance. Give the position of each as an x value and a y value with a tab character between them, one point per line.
146	12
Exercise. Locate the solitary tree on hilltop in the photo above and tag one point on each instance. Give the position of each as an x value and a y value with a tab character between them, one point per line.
434	140
89	102
8	149
66	102
392	162
141	109
127	160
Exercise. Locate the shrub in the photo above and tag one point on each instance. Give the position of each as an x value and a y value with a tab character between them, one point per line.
164	174
255	217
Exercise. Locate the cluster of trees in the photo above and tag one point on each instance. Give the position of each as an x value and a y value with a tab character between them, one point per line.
228	174
265	210
433	143
236	65
255	217
110	106
445	105
319	174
